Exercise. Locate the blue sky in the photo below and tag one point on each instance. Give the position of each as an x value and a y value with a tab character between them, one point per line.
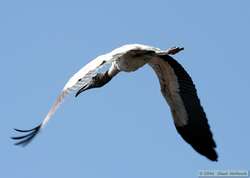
124	129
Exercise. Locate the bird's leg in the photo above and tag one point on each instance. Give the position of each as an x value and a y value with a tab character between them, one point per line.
174	50
99	80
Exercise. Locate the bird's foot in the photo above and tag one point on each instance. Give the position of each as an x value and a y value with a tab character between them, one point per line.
174	50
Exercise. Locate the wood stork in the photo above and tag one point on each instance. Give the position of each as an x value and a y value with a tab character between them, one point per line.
176	87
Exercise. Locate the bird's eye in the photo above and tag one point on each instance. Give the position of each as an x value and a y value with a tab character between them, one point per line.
95	77
103	62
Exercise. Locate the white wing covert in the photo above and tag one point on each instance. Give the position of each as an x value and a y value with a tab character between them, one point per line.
189	117
78	80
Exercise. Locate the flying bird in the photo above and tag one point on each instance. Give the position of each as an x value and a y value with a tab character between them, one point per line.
176	86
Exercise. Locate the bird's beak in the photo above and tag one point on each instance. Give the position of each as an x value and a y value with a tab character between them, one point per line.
84	88
98	81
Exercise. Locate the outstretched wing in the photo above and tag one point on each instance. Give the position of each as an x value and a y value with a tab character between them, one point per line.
189	117
77	81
